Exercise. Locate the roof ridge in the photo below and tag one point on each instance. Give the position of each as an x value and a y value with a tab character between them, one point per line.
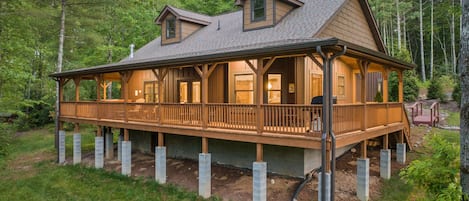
174	7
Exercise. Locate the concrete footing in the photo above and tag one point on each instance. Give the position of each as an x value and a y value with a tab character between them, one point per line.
259	181
61	147
160	164
126	158
401	153
76	148
109	145
98	152
119	147
363	179
385	164
328	186
205	169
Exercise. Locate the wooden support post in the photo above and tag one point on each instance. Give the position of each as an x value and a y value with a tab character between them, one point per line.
204	145
259	152
77	88
99	132
364	149
99	79
363	73
328	158
401	137
76	128
385	141
205	76
160	139
385	85
125	78
126	135
401	86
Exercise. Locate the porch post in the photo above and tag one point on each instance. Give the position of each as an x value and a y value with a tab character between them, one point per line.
364	74
160	74
385	159
363	174
385	85
401	86
160	160
99	149
126	154
260	95
205	169
77	145
77	81
259	176
125	77
98	79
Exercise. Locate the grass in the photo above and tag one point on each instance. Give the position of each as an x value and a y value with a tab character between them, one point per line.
453	119
30	173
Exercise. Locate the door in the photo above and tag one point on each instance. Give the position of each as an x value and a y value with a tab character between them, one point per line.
190	92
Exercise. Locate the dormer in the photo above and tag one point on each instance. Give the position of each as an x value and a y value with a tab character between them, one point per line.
177	24
265	13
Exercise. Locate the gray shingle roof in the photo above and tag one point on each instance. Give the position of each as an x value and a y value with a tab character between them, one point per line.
301	23
184	15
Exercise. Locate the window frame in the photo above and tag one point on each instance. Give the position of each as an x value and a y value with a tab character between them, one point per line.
341	85
244	90
254	10
154	94
272	89
170	34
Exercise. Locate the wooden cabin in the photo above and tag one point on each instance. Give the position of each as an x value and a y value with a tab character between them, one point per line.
240	85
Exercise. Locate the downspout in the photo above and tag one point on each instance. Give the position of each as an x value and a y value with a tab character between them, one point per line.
327	108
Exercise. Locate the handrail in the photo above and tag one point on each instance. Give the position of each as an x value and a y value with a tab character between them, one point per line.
407	126
417	109
435	113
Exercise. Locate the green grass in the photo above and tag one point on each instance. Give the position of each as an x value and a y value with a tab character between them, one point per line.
395	189
448	135
30	173
453	119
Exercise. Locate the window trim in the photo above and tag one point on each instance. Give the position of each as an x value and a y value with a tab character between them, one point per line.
274	90
170	20
154	95
253	9
341	85
244	90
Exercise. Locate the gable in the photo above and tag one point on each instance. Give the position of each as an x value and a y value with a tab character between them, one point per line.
351	24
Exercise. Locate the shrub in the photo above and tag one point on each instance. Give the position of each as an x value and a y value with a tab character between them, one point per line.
6	136
435	90
411	89
378	97
457	93
438	171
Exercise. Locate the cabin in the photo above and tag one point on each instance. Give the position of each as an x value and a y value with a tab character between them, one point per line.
280	86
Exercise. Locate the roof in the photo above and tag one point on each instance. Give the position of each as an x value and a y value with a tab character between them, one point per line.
183	15
212	43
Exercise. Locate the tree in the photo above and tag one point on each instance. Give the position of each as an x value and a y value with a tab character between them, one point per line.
422	52
464	69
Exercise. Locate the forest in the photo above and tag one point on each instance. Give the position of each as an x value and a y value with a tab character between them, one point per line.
424	32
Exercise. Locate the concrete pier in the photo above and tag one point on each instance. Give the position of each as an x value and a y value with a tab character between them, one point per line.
76	148
259	181
61	147
126	158
99	152
109	145
363	179
385	164
401	153
119	147
205	175
160	164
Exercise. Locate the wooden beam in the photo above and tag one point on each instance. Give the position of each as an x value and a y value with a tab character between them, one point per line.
199	71
126	134
157	75
205	95
204	145
76	128
160	139
364	149
363	66
316	61
401	86
99	131
385	85
77	80
385	141
259	152
210	71
268	65
253	68
260	95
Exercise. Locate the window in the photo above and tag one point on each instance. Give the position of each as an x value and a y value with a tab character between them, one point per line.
170	28
244	89
196	92
316	85
257	10
274	88
341	85
183	92
150	91
189	91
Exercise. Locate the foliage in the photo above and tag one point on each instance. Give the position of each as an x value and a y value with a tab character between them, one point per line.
378	97
411	89
438	171
456	95
395	189
435	90
6	136
453	119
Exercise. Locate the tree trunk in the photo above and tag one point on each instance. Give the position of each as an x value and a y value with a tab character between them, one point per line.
464	69
59	69
431	40
398	16
422	53
453	41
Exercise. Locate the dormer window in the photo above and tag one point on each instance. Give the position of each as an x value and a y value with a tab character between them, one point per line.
170	28
258	10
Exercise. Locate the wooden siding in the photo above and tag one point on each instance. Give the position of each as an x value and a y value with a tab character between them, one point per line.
281	10
217	85
136	83
188	28
350	25
285	67
269	18
176	39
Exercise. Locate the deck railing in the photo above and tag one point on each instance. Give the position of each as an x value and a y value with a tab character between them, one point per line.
278	118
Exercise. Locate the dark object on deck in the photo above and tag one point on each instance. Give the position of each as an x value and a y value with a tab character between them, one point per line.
318	100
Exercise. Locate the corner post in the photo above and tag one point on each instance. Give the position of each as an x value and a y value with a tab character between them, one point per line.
259	176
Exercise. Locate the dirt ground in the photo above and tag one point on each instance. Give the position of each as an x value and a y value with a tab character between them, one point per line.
230	183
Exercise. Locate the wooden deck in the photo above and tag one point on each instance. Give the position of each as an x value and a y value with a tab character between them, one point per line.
430	117
283	124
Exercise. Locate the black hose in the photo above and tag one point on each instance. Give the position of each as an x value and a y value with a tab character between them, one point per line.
308	178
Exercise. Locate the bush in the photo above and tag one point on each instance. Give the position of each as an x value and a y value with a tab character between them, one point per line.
411	89
457	93
378	97
6	136
435	90
438	171
34	114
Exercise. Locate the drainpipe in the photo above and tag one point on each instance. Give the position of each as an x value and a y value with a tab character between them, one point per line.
327	112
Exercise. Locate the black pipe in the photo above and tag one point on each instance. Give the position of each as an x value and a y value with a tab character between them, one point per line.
325	126
308	178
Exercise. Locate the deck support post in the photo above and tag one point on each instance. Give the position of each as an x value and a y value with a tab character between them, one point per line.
109	144
205	173
401	153
363	178
160	160
77	145
99	149
259	181
61	147
119	144
385	163
126	154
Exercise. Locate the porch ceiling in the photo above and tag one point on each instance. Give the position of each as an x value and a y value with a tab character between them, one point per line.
275	48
